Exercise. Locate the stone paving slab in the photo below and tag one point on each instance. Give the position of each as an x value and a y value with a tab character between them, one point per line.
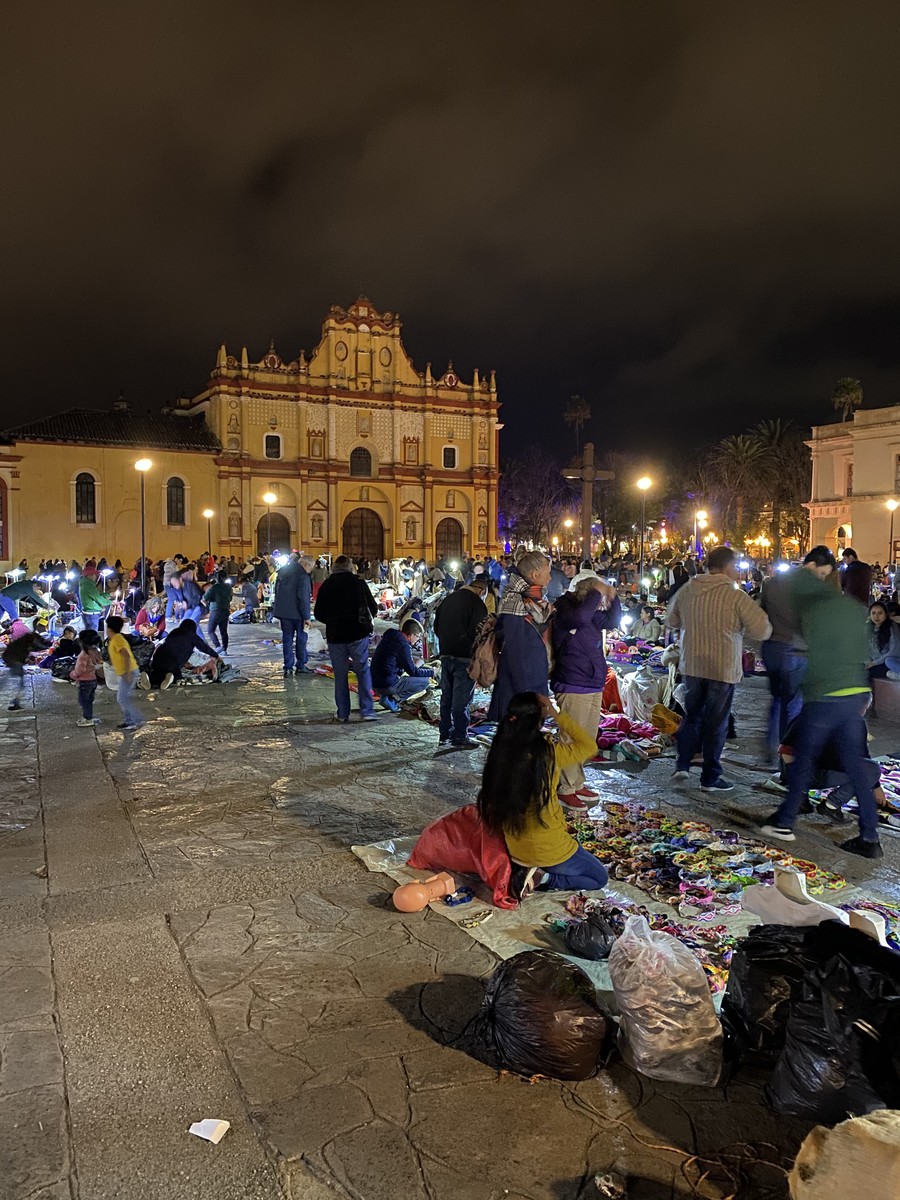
222	949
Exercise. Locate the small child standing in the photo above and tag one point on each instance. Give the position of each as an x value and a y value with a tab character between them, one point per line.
84	673
124	665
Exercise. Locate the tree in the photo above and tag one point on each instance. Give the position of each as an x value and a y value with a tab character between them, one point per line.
785	470
847	396
533	493
576	413
739	467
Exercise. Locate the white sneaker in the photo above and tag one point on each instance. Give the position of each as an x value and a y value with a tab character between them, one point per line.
84	723
680	776
144	682
416	696
168	681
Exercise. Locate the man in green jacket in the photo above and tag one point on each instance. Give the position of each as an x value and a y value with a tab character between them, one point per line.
92	601
835	694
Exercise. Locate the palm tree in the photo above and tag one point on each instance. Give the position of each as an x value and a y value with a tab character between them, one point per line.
738	462
576	412
784	469
847	396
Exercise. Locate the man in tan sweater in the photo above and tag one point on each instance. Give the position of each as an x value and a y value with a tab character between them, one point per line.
713	614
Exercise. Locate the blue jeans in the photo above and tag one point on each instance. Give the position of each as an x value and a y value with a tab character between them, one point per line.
785	669
86	690
707	708
293	643
124	695
581	872
343	656
217	625
91	620
193	614
839	720
457	690
406	686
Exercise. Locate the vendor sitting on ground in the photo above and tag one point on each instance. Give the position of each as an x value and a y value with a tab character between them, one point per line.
150	621
647	627
66	647
171	657
518	798
394	674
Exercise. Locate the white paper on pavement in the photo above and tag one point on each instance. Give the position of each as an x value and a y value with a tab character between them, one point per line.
210	1129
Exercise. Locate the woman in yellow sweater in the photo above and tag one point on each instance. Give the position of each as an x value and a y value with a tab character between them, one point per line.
518	798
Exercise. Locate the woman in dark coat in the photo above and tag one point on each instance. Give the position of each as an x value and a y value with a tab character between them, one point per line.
523	634
579	669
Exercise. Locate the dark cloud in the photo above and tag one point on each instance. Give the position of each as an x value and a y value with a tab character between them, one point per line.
684	212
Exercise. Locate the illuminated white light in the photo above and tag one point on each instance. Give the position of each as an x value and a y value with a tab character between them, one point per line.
454	566
743	564
626	621
70	574
783	567
106	571
645	582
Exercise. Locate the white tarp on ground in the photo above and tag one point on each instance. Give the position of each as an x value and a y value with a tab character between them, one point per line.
509	932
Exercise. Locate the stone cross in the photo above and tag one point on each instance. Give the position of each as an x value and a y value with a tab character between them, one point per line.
588	474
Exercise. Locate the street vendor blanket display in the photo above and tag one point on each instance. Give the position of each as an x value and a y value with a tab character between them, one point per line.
697	870
541	920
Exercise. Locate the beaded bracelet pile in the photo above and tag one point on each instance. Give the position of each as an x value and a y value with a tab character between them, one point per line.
698	870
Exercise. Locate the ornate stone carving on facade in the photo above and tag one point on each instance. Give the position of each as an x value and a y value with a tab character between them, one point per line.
482	533
411	527
316	526
234	525
451	499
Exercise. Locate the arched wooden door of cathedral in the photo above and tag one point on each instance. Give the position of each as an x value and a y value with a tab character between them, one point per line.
448	539
273	533
362	535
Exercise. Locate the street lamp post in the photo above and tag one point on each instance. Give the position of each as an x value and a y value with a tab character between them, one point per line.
142	466
891	506
699	518
269	499
643	484
568	523
209	514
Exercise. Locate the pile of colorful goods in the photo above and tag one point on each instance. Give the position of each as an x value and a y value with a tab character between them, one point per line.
711	945
699	871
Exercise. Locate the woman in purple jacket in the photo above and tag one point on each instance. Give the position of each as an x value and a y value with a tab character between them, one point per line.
579	669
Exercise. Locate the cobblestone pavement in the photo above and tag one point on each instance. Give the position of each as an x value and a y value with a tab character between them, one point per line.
186	934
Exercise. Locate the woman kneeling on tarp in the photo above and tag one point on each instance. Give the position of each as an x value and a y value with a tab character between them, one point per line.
518	798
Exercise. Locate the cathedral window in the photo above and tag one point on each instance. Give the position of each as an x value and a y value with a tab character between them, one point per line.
450	458
273	445
360	463
85	499
175	501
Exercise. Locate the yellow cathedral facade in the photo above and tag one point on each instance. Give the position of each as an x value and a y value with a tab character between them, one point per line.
349	450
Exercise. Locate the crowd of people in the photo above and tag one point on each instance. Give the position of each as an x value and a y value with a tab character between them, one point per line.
533	627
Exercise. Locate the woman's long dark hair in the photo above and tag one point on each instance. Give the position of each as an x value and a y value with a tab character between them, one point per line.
882	631
519	768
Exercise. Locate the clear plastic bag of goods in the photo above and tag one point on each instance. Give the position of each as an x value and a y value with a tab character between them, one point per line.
668	1027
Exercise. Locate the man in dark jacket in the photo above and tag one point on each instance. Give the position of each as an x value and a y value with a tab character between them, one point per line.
456	623
347	608
174	653
856	577
293	594
394	674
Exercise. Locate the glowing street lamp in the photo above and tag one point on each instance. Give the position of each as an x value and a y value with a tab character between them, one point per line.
142	466
269	498
891	506
209	514
700	520
643	485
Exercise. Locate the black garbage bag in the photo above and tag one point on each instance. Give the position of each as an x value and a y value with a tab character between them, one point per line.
591	938
841	1054
764	980
541	1017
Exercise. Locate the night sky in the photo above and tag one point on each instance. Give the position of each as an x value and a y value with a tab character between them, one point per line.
686	212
